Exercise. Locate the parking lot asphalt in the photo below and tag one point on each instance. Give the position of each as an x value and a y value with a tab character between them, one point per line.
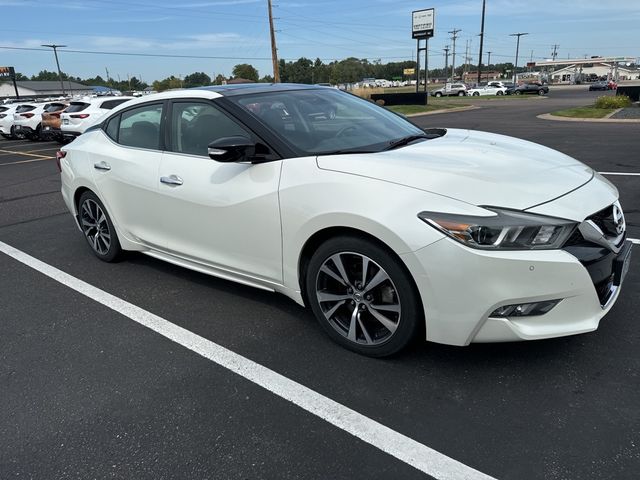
88	393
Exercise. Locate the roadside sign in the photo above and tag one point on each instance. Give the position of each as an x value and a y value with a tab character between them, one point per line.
7	72
409	71
422	23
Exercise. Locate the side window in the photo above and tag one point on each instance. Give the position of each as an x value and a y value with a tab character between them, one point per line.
140	127
195	125
112	128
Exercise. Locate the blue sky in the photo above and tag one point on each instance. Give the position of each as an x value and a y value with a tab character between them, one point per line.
236	31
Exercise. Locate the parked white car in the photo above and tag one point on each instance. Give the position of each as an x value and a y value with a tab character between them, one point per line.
386	231
8	118
81	114
487	90
29	124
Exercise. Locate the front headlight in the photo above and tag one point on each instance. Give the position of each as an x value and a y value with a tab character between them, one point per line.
506	230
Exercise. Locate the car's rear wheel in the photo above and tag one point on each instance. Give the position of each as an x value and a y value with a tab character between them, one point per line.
97	228
499	92
362	296
517	92
540	92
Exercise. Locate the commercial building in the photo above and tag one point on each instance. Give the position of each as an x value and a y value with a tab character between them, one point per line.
42	89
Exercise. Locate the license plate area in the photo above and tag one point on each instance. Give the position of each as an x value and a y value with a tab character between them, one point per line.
65	121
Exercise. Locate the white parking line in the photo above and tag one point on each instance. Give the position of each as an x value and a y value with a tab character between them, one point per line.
620	173
384	438
635	240
27	161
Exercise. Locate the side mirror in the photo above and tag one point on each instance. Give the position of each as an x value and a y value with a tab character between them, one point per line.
231	149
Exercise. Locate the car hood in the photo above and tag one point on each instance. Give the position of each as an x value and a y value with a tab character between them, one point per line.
475	167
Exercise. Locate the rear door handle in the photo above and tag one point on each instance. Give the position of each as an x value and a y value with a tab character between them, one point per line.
104	166
171	180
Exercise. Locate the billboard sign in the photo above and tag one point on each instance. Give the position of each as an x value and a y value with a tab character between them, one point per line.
7	72
422	23
409	71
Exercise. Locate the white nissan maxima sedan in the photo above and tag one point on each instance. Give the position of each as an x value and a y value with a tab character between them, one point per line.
386	231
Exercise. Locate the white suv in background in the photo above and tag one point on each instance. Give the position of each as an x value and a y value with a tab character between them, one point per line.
81	114
29	123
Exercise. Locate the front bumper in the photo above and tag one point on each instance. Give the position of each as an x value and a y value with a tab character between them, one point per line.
460	288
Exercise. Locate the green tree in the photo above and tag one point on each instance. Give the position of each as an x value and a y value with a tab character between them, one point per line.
220	79
246	71
267	79
167	84
197	79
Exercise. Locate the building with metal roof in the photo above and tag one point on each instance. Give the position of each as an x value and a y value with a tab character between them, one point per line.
33	88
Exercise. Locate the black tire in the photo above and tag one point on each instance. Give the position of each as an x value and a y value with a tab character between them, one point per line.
438	94
500	92
36	135
541	92
461	94
517	92
476	94
359	316
95	233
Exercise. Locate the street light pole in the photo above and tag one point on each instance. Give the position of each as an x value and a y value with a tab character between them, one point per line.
55	52
515	68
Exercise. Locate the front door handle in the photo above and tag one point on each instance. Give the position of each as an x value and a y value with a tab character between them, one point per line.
171	180
104	166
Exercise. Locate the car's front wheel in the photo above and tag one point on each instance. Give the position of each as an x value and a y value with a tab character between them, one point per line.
97	227
362	296
541	92
461	94
476	94
517	92
438	94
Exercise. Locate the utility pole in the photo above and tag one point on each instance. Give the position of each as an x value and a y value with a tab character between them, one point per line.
274	50
107	71
454	34
515	67
466	59
489	59
446	62
55	52
554	54
481	43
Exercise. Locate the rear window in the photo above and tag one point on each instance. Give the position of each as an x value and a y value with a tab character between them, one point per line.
24	108
53	107
109	104
76	107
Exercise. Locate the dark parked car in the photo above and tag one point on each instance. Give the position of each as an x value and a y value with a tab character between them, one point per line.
599	86
531	87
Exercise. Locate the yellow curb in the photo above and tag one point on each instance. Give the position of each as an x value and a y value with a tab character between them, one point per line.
445	110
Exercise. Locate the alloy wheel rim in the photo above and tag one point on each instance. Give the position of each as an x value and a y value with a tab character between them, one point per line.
95	226
358	298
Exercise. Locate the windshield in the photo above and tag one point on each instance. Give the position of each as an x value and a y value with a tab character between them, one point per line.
324	121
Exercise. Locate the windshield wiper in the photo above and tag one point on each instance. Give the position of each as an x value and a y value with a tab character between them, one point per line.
406	140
